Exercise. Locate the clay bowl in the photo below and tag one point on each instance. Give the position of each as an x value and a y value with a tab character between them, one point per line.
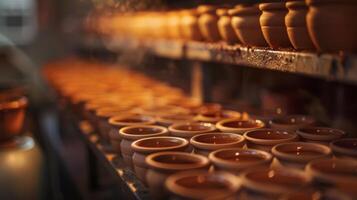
265	139
322	135
333	171
214	117
345	147
202	185
292	122
225	27
207	142
163	164
168	120
298	154
12	115
273	183
188	130
132	133
239	126
236	160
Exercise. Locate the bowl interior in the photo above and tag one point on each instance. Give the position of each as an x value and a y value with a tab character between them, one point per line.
194	127
142	130
350	144
322	131
217	138
277	177
270	134
159	142
238	156
176	159
131	119
302	149
242	124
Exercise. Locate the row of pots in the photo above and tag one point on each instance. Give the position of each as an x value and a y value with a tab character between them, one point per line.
314	24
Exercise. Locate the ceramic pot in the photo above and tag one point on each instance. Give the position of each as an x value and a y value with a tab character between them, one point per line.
296	27
225	27
272	22
207	142
322	135
202	185
245	23
208	23
163	164
189	25
239	126
292	122
345	148
168	120
132	133
236	160
298	154
146	146
265	139
188	130
331	25
214	117
121	121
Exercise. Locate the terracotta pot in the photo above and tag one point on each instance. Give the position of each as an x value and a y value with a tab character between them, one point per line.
214	117
146	146
168	120
208	23
188	130
298	154
207	142
236	160
121	121
163	164
174	25
331	25
322	135
157	111
207	108
239	126
272	22
265	139
189	25
12	115
245	23
132	133
202	185
295	22
225	27
345	148
292	122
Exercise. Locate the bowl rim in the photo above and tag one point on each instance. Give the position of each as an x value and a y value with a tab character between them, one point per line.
342	150
328	137
124	135
210	146
114	120
220	125
251	139
173	129
140	149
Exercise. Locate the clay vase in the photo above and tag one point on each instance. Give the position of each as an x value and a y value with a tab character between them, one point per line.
225	27
146	146
296	27
163	164
272	22
208	23
245	23
332	25
131	133
189	25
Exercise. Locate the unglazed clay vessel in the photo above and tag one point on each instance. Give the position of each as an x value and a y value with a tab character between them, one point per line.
295	22
236	160
345	148
208	23
189	25
245	23
239	126
265	139
322	135
132	133
332	25
292	122
214	117
188	130
225	27
207	142
163	164
272	22
146	146
202	185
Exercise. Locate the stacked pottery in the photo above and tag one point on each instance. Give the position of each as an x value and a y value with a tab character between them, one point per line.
208	23
225	27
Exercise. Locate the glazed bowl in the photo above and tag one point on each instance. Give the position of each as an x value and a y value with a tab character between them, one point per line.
345	147
322	135
236	160
214	117
188	130
298	154
202	185
207	142
265	139
292	122
239	126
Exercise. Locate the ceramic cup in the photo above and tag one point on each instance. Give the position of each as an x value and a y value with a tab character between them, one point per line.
265	139
202	185
188	130
345	148
146	146
132	133
236	160
214	117
163	164
298	154
322	135
292	122
207	142
239	126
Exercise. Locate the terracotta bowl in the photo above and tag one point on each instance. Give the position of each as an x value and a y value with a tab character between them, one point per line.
345	147
239	126
202	185
168	120
188	130
237	159
265	139
146	146
298	154
207	142
132	133
292	122
322	135
214	117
